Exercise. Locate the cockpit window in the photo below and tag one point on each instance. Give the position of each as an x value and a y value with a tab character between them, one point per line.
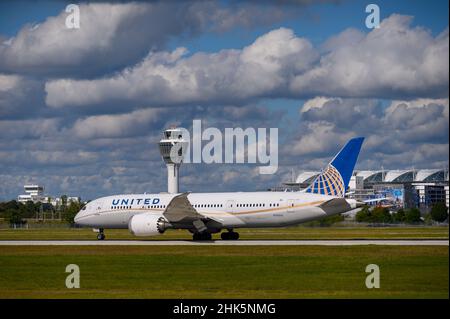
84	208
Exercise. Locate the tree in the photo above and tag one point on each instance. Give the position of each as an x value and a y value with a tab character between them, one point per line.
71	211
439	212
427	219
326	221
380	215
13	204
14	216
363	215
399	216
29	209
63	202
412	216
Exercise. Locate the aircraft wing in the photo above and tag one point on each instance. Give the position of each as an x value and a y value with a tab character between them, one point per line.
180	210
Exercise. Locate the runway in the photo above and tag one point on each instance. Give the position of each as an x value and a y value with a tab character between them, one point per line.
358	242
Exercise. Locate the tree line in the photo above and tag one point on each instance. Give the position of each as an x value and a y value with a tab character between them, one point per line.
16	212
438	213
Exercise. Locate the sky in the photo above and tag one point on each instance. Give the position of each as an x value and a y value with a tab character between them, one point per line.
82	110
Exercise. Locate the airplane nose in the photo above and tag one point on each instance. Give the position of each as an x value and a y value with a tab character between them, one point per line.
78	217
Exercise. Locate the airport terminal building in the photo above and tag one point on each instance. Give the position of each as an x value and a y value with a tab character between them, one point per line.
35	193
419	188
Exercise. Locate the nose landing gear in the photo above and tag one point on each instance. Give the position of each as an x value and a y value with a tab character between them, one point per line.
101	234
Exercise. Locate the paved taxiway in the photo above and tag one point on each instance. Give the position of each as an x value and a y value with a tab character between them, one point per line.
358	242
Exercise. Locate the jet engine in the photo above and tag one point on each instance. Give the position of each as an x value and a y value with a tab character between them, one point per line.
147	224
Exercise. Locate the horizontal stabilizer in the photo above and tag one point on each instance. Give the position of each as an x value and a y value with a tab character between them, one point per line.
377	199
335	205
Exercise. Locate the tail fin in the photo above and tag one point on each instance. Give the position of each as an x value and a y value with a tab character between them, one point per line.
336	176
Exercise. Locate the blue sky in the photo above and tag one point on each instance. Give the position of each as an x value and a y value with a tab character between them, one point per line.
81	110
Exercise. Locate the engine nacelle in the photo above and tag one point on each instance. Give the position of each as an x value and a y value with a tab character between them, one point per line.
147	224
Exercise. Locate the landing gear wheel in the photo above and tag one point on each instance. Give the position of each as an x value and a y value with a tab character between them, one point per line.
101	235
230	235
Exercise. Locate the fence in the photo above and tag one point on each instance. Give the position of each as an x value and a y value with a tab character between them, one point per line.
61	225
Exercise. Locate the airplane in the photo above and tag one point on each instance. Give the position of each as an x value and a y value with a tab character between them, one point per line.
204	214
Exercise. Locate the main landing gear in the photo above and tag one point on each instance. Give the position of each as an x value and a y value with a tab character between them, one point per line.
101	234
229	235
202	236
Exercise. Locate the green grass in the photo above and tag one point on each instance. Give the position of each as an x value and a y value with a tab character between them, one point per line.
223	272
267	233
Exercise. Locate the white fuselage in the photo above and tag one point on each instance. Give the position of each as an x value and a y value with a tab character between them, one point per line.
232	210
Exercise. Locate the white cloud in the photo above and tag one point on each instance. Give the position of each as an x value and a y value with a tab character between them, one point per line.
318	138
51	48
107	126
20	97
393	61
316	102
115	35
169	78
418	103
30	129
8	82
402	134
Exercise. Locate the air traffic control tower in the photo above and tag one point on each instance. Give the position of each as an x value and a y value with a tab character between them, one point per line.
172	148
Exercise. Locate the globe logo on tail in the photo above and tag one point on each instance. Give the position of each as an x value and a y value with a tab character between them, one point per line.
330	182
